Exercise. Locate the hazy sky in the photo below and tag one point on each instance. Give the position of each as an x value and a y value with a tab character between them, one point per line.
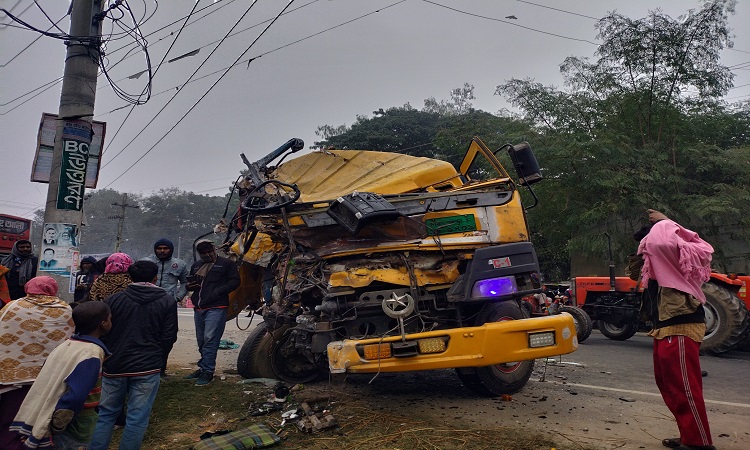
322	63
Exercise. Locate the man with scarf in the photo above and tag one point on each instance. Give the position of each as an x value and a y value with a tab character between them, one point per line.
676	262
22	267
211	279
36	324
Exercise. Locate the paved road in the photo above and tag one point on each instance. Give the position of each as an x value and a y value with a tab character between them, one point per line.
602	395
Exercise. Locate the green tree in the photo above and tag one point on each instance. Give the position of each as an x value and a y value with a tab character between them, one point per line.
641	127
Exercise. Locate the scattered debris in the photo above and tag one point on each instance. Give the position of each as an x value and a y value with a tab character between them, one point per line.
227	345
627	399
315	421
270	382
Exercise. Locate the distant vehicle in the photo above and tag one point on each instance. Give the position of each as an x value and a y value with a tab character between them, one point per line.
13	229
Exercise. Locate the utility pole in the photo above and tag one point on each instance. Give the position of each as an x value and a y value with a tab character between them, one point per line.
121	216
73	135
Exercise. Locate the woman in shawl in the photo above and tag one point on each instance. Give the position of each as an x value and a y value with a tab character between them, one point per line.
114	279
30	328
22	267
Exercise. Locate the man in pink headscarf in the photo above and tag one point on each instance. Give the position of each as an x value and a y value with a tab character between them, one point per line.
30	328
114	279
676	262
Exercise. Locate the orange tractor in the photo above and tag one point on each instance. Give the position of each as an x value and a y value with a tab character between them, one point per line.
614	304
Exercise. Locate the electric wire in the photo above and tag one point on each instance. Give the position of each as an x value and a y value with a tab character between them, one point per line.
210	88
558	9
247	61
54	24
169	90
49	84
132	108
29	45
510	23
178	91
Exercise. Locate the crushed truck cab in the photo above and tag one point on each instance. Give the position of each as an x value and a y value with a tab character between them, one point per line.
366	261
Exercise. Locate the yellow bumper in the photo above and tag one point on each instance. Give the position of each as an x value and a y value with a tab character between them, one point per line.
486	345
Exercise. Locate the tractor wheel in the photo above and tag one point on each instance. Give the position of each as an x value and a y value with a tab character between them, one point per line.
616	333
499	379
726	320
582	321
254	360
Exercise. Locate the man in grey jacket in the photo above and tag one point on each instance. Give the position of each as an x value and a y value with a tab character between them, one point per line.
172	276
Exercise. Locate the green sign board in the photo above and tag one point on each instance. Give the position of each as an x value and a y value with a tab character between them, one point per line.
451	224
76	140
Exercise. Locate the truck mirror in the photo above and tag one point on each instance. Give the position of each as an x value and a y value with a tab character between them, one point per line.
525	164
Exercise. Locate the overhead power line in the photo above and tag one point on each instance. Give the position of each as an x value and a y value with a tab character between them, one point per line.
510	23
247	61
211	87
195	5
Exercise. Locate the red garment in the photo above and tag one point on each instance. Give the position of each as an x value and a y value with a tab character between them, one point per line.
677	371
42	285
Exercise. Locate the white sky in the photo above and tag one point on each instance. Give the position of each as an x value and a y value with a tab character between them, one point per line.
404	53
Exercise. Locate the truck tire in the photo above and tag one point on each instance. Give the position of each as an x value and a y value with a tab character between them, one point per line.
583	322
616	333
726	320
499	379
254	360
288	363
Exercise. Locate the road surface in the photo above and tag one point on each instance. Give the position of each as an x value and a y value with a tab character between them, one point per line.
602	395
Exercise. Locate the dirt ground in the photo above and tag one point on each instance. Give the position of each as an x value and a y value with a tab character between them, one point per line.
556	401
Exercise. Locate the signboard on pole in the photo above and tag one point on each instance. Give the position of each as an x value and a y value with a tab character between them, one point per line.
42	167
76	140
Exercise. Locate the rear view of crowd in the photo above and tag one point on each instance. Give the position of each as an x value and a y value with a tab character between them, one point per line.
68	371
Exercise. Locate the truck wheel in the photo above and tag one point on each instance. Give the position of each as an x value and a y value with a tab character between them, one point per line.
582	321
616	333
289	364
254	360
499	379
726	320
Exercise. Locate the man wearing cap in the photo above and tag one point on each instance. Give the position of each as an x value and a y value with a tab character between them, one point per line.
172	277
211	279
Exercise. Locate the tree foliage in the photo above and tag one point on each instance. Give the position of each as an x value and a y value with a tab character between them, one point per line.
642	127
177	215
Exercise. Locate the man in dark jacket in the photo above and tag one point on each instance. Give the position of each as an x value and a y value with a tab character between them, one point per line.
211	279
22	264
85	277
172	277
144	328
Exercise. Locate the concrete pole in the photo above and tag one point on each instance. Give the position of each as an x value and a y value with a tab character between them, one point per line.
75	115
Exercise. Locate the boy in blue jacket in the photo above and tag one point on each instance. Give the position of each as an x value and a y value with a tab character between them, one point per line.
60	408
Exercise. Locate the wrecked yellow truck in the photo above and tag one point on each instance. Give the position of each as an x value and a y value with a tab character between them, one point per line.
367	262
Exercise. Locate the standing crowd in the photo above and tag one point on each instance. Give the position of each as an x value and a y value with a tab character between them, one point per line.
70	372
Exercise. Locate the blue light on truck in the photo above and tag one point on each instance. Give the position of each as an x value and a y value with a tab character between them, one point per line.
494	287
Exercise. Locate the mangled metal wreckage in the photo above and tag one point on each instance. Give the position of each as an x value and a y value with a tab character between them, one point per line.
368	262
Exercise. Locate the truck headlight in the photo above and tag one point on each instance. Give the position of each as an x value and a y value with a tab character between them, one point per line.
545	339
494	287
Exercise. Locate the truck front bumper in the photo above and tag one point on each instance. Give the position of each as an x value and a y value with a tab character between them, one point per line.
486	345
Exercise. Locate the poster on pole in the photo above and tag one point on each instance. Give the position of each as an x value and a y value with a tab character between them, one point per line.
76	140
42	167
60	254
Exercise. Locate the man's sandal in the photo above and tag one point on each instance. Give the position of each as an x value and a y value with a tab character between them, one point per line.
671	442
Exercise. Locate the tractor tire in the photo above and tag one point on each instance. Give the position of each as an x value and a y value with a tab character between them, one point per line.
726	320
499	379
617	333
254	360
583	322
